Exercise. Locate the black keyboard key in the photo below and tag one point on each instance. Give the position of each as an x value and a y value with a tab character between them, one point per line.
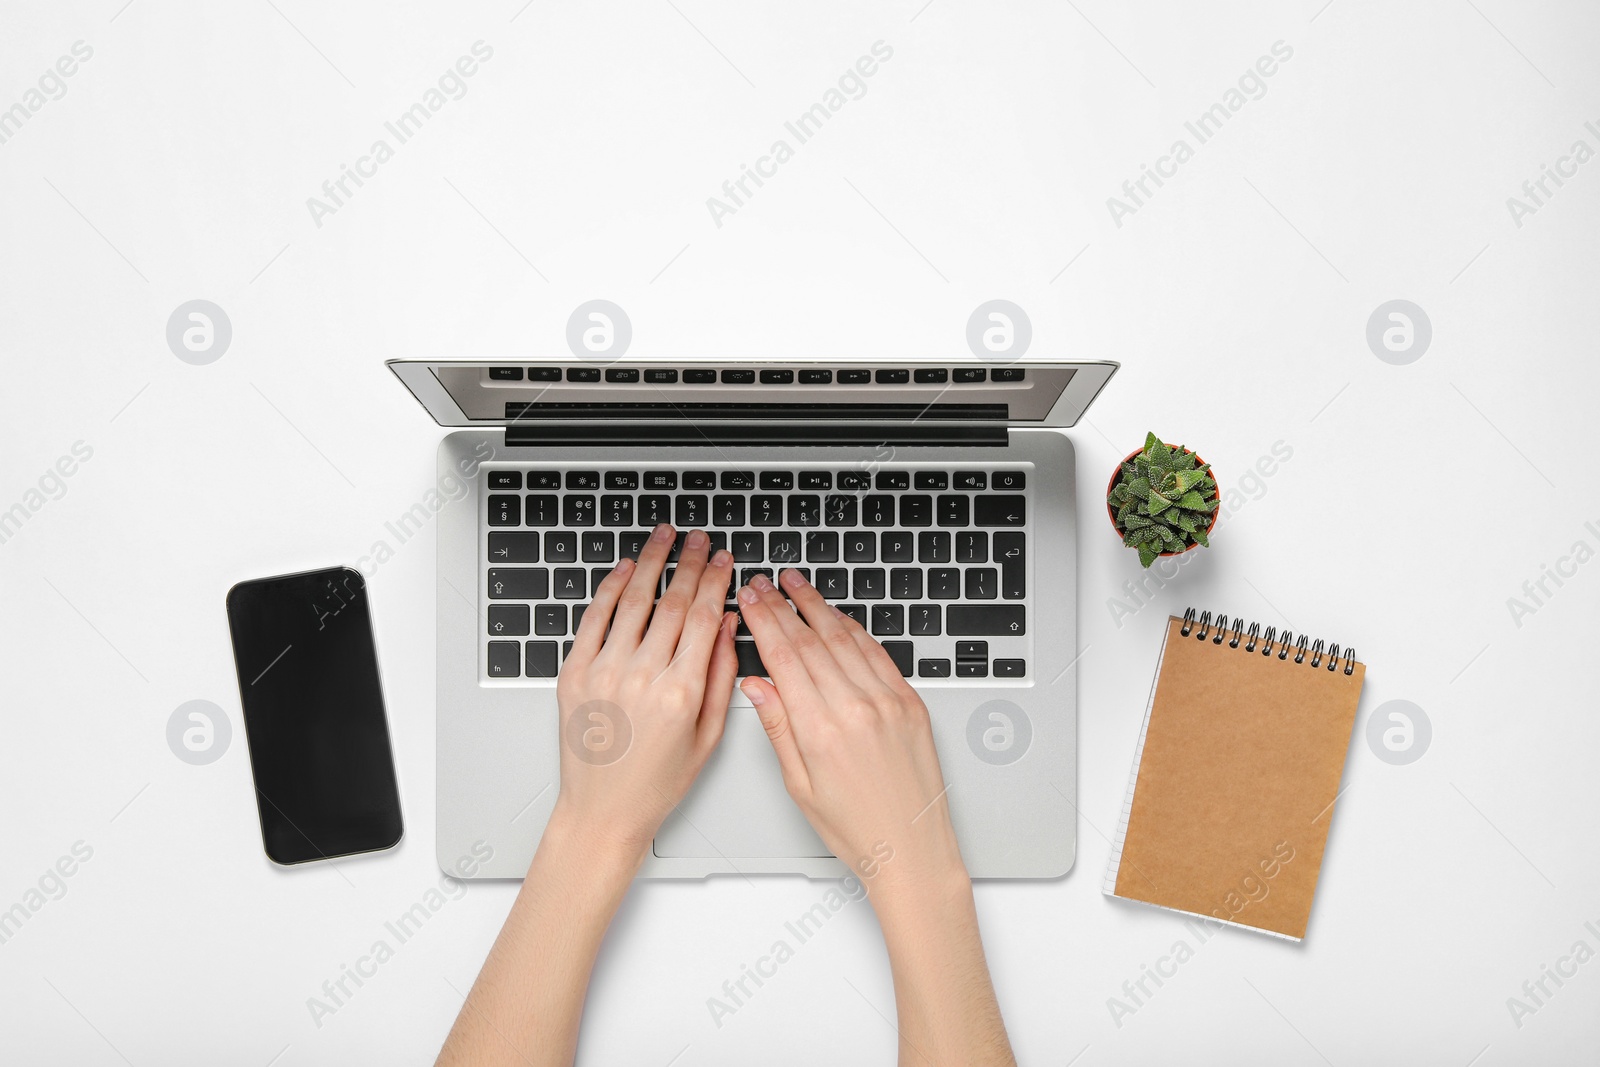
544	479
777	377
967	375
972	546
840	510
505	511
822	546
860	547
508	620
925	619
867	583
505	479
783	547
505	374
738	479
892	376
699	377
622	375
622	479
719	541
931	480
505	659
541	659
916	509
854	480
1002	509
566	650
1011	553
833	582
944	583
816	480
583	374
974	620
738	377
661	479
955	510
560	546
1010	480
894	480
933	546
750	665
541	509
766	509
1010	668
897	547
748	548
654	509
693	510
855	377
970	650
901	652
748	573
572	583
816	377
518	583
888	620
630	544
1007	374
513	548
858	612
583	479
544	374
931	376
970	480
661	376
616	509
982	583
600	546
577	615
805	509
550	620
597	576
577	509
905	583
933	668
699	479
878	510
972	669
728	510
777	480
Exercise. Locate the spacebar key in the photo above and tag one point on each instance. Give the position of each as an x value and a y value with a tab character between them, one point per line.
984	620
750	664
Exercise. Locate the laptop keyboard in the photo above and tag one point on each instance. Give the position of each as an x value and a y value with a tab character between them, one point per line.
933	561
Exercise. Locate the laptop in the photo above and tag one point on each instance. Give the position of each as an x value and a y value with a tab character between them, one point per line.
934	501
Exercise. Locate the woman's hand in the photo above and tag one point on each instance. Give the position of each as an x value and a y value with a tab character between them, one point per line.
853	738
643	706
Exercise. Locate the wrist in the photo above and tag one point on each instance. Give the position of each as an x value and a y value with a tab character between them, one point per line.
911	895
586	853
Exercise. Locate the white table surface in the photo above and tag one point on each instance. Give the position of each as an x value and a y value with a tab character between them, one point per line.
1418	499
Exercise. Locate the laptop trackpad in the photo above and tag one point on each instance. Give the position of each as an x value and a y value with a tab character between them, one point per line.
738	809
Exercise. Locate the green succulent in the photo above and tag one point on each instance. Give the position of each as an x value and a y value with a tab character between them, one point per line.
1163	500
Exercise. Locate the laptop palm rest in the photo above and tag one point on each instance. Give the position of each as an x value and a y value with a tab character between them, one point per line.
738	809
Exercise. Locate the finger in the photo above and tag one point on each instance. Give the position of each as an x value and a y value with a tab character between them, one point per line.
774	715
778	653
824	622
592	630
672	613
719	684
827	675
633	612
700	626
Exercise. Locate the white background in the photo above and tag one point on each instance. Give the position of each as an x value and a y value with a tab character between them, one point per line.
1418	498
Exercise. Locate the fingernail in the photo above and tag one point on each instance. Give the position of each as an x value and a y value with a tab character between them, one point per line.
661	533
696	539
624	565
793	578
757	697
761	582
721	558
747	595
729	621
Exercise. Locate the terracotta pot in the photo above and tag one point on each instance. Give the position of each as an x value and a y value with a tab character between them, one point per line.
1117	473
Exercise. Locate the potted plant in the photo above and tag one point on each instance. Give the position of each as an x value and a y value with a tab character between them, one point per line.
1162	500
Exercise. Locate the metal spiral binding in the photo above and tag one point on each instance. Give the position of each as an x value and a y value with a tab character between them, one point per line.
1255	635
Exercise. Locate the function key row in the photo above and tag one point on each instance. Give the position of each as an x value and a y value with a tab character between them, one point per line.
770	480
750	376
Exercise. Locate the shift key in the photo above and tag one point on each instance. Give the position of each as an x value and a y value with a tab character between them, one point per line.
1001	509
985	620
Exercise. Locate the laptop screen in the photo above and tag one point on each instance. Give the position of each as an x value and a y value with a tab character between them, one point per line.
498	393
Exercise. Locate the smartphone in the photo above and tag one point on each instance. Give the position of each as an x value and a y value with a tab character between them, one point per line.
314	716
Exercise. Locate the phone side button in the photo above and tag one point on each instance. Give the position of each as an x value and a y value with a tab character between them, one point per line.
541	659
504	659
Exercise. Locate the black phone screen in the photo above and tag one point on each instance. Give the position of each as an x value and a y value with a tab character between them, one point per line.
314	716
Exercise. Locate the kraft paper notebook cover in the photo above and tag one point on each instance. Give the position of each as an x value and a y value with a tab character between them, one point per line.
1236	773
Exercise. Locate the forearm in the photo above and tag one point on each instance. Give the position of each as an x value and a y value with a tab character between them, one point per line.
943	995
527	1003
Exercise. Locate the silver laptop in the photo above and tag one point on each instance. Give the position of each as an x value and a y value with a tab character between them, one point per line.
934	501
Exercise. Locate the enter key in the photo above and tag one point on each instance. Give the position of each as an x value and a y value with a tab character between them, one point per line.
1011	553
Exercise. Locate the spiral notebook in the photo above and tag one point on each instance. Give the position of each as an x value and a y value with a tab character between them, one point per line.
1236	774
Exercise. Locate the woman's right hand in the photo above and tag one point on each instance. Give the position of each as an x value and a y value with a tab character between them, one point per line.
853	738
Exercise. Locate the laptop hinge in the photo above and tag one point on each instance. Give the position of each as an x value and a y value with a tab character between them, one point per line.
550	432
